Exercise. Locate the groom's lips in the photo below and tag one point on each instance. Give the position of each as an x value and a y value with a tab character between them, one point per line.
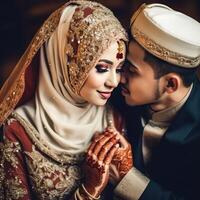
124	91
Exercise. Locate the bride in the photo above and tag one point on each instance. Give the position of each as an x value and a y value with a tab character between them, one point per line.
55	100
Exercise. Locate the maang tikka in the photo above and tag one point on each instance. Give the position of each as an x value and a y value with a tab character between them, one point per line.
120	49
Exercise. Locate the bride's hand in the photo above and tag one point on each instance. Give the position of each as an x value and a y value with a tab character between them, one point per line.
99	156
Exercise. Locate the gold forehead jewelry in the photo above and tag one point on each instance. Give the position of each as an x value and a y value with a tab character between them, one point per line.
92	29
120	49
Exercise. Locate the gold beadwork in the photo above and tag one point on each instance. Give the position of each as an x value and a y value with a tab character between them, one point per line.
47	178
16	82
162	52
62	158
2	172
14	189
93	27
89	195
93	33
12	185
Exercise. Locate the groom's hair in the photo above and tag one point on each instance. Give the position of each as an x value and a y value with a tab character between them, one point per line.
161	68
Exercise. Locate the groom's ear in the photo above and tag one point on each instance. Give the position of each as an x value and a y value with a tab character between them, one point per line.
172	82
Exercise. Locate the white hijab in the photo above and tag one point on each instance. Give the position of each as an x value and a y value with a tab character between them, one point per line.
63	120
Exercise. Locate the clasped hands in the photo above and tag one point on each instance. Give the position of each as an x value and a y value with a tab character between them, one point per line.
109	157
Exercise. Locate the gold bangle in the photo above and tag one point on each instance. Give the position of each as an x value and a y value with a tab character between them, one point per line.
79	195
95	198
75	197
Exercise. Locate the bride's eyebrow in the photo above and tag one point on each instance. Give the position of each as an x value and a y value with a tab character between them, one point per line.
110	62
106	61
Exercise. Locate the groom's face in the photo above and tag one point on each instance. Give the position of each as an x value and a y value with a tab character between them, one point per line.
138	83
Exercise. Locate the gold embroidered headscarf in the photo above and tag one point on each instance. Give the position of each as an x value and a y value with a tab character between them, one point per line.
70	43
92	28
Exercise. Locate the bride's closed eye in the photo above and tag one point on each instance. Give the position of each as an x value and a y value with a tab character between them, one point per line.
100	68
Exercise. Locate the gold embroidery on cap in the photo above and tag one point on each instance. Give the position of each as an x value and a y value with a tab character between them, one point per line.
163	52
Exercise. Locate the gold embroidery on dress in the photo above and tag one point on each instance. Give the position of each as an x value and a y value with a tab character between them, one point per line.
50	179
14	190
162	52
62	158
12	185
2	173
9	152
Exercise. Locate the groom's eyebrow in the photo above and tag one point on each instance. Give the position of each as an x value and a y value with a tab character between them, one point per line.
130	64
121	63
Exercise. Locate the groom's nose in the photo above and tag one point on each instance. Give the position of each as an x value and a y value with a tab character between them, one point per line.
124	77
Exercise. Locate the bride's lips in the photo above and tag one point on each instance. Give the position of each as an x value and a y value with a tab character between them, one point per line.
104	95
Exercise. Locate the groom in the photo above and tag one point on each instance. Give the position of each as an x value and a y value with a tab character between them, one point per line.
161	86
162	90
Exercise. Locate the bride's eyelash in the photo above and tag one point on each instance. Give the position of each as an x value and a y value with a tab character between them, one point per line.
101	68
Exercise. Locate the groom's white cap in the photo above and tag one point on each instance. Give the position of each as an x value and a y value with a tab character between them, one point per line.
168	34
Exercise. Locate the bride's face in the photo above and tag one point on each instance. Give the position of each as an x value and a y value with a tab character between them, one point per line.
105	76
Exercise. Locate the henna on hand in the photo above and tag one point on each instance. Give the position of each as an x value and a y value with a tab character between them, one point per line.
123	161
99	157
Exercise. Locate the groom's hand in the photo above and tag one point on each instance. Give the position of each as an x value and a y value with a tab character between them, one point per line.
122	161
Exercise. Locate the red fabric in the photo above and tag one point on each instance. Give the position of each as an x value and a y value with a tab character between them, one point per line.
15	133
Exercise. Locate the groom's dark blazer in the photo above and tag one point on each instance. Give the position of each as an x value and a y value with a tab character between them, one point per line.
174	170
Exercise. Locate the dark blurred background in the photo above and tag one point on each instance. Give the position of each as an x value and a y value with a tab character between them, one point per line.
20	19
